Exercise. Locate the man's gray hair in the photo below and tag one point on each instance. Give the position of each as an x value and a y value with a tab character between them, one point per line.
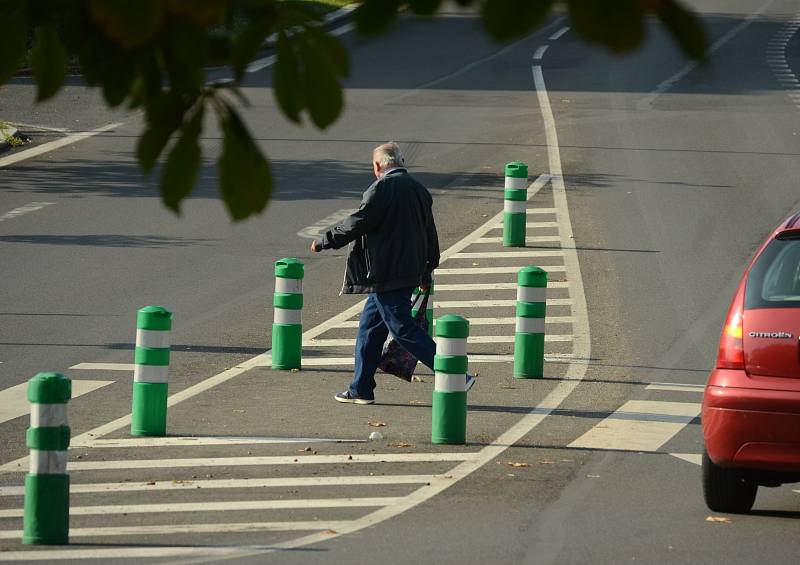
388	155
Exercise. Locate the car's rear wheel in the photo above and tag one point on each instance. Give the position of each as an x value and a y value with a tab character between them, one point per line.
725	490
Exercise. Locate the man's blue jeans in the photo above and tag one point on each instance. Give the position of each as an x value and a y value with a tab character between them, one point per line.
387	312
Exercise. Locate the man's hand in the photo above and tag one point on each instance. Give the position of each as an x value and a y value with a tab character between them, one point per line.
314	247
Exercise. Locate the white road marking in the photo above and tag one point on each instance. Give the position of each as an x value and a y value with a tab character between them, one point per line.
533	225
207	506
461	271
639	425
646	103
26	209
557	35
468	67
490	286
53	145
495	303
104	367
695	458
348	342
509	254
529	239
317	229
272	482
539	53
190	441
473	358
178	529
14	400
681	387
267	460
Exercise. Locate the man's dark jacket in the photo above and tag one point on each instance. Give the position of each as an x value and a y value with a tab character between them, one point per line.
393	235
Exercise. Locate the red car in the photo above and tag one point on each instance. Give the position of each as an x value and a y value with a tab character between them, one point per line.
751	404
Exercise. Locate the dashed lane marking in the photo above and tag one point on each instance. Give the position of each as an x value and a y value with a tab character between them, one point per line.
557	35
508	321
272	482
26	209
508	254
529	239
639	425
680	387
14	400
190	441
491	286
75	466
493	270
350	342
178	529
226	506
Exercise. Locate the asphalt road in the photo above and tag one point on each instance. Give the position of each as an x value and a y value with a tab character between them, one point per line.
672	177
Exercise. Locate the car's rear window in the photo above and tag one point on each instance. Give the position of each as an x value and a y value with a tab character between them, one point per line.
774	280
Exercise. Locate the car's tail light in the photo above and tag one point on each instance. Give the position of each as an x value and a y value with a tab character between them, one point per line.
731	349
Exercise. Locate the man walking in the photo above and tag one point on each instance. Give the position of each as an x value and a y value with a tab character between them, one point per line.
394	249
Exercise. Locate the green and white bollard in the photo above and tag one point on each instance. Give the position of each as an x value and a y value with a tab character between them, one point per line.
46	518
428	308
529	336
287	326
449	419
150	376
515	204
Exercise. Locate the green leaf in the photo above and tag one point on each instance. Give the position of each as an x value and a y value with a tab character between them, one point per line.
288	87
244	176
509	19
164	114
618	25
183	163
332	50
13	41
49	62
321	85
131	24
118	75
374	16
685	27
246	45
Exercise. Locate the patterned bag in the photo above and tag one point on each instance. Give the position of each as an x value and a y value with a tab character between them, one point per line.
394	359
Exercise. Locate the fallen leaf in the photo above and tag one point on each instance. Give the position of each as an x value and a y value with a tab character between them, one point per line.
151	483
304	449
401	444
349	457
719	519
376	424
331	532
517	464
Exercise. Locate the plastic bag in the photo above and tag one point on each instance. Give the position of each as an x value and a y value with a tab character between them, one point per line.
395	360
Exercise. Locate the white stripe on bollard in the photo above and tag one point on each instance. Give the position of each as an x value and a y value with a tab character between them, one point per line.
446	382
451	346
516	183
150	373
152	338
514	206
285	316
48	462
291	286
48	415
531	294
530	325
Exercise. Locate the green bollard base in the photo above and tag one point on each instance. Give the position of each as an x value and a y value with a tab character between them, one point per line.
528	356
149	409
449	418
46	519
287	342
514	229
